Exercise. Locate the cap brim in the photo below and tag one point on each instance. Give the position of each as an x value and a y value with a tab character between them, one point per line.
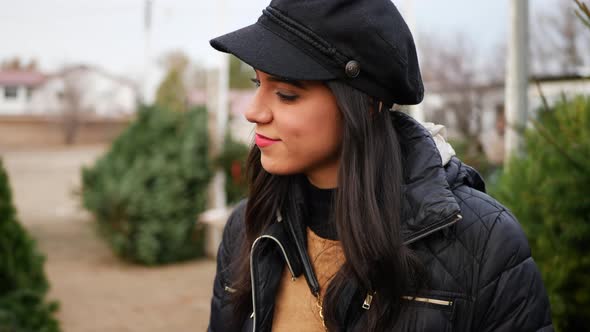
266	51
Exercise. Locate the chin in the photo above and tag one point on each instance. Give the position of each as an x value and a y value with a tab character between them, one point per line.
277	167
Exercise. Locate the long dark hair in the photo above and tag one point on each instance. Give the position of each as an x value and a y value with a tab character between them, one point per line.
367	214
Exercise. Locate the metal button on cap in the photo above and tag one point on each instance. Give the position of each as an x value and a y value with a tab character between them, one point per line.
352	69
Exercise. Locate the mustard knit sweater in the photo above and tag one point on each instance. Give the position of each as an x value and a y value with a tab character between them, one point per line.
296	308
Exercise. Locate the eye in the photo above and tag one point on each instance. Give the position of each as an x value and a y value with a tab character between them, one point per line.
256	82
287	97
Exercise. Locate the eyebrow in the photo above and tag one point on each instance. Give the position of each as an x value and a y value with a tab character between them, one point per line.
292	82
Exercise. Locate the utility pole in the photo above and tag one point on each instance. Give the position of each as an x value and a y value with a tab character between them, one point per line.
217	108
517	78
147	25
416	111
219	113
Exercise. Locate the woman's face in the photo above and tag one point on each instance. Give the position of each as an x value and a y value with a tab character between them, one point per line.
298	128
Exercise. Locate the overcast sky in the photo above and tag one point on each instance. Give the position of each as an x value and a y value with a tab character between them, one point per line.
110	33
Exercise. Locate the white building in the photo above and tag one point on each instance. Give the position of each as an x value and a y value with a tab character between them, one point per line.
86	89
16	90
489	103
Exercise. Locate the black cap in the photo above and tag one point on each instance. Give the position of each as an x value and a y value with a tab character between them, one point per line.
367	44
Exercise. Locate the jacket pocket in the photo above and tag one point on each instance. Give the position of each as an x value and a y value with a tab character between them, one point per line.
428	312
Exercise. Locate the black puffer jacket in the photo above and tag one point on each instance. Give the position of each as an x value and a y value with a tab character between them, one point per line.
482	275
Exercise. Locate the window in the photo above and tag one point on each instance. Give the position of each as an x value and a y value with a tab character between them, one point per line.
10	92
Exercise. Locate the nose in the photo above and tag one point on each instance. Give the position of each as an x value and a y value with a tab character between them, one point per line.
258	112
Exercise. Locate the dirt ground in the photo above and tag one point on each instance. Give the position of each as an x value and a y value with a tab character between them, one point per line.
96	290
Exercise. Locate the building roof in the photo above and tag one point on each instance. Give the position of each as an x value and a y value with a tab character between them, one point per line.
438	87
64	72
21	77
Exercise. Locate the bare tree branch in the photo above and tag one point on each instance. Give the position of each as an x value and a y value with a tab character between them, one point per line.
75	87
451	66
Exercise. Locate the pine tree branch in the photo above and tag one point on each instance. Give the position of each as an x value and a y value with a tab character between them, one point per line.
583	13
547	136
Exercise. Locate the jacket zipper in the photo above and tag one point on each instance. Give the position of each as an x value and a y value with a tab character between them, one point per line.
368	299
252	271
428	300
440	225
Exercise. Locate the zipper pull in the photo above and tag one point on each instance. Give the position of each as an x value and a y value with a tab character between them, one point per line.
279	216
368	300
229	289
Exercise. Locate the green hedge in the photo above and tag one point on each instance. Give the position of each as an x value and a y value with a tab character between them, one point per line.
548	189
233	162
147	191
23	285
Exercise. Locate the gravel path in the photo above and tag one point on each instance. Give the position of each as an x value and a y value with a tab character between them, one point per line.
96	290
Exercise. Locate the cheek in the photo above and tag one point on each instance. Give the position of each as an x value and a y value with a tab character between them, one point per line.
327	128
311	135
315	136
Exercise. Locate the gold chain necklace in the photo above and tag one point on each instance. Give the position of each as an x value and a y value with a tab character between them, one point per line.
321	310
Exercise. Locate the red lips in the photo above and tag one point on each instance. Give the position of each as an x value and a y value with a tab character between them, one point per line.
263	141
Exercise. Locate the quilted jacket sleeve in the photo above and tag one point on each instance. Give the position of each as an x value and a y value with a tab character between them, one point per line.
511	295
221	310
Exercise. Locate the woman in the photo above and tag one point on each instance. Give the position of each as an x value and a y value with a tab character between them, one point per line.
355	220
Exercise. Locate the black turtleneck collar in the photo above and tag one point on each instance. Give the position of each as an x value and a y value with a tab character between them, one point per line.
319	204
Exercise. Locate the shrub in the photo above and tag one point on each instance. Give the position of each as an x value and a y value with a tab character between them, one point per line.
548	189
23	284
233	162
147	191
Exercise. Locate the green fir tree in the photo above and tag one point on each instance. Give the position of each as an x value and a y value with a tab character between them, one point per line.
23	285
548	189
